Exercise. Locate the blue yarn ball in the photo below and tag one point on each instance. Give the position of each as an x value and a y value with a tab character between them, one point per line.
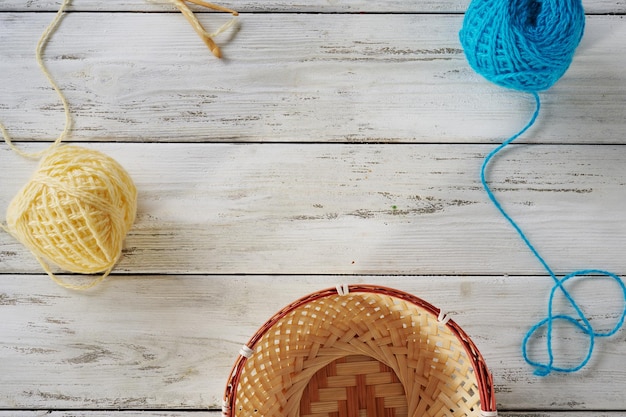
526	45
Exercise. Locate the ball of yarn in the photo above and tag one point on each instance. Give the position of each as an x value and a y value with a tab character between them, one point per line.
76	210
526	45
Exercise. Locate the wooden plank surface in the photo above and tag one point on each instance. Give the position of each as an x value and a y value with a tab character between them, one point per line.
252	6
329	146
281	6
169	341
366	209
294	77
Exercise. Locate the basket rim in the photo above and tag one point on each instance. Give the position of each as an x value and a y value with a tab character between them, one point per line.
484	377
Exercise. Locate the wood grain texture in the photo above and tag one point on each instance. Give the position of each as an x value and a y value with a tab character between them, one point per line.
312	6
115	413
329	146
293	77
150	342
366	209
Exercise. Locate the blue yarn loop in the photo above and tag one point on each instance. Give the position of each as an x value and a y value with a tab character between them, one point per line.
580	321
527	45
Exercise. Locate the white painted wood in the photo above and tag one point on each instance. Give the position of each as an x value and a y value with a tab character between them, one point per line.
221	225
358	209
312	6
294	77
315	6
115	413
112	413
146	342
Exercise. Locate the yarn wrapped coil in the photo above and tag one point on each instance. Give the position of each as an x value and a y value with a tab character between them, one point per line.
75	211
525	45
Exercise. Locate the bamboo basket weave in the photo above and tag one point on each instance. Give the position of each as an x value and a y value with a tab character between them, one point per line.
359	351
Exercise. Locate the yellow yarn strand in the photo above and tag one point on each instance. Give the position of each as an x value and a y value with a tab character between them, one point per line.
69	286
79	205
43	40
206	36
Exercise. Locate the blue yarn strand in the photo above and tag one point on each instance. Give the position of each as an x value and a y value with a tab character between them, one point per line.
527	45
580	321
543	369
493	198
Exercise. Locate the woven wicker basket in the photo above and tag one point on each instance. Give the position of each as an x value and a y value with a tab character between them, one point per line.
362	351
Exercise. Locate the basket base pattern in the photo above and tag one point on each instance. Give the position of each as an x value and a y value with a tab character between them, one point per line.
368	353
354	386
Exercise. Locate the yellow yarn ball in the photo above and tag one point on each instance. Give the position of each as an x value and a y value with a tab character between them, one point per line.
76	210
